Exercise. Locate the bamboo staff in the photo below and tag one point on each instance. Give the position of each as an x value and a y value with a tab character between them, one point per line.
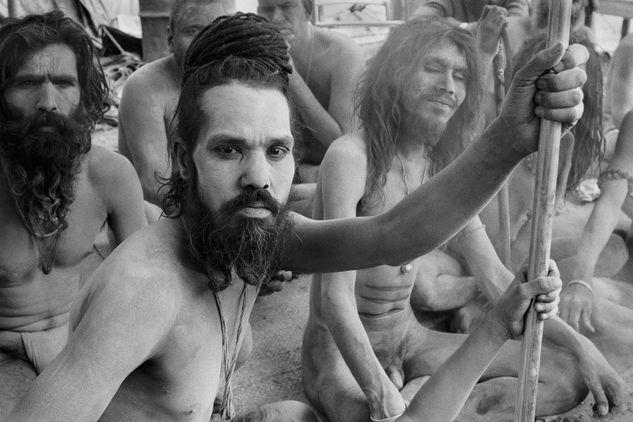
544	197
502	66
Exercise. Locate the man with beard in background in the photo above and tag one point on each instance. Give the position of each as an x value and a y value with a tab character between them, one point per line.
157	330
56	192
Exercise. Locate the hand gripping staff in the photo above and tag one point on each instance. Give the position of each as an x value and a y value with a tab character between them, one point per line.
559	23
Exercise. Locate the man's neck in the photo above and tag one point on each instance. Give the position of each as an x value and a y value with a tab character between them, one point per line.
175	68
300	44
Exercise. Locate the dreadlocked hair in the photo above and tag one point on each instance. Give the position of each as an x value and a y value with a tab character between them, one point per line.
243	48
589	139
385	81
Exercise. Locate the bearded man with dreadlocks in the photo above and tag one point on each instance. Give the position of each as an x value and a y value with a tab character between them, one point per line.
156	332
415	119
56	192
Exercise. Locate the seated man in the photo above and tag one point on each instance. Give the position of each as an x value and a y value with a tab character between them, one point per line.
151	94
363	342
326	65
56	191
157	329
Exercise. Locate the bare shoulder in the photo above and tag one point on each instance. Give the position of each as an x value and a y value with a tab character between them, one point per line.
107	167
349	148
155	75
339	46
109	172
139	274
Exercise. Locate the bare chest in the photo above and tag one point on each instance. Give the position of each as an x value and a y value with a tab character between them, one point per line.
22	255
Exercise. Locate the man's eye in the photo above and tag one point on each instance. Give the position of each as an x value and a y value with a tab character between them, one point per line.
227	151
460	76
278	152
191	31
27	83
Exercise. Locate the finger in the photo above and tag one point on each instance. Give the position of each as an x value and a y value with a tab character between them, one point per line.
568	115
553	270
541	62
576	55
601	407
563	81
546	310
574	318
586	320
562	99
542	285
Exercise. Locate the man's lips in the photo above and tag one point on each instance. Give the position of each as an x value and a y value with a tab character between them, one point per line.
255	210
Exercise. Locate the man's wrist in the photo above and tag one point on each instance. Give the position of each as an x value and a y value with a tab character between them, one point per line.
494	150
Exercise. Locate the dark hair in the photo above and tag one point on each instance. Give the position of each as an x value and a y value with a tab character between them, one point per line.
243	47
20	37
588	131
386	79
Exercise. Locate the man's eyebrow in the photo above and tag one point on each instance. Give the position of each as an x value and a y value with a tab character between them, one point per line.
39	77
225	138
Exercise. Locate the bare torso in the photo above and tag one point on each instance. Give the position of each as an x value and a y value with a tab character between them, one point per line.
148	105
181	378
316	63
29	299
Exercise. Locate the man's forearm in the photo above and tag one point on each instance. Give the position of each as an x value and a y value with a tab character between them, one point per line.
451	198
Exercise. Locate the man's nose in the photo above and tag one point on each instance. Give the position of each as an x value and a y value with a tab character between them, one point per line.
278	15
447	83
47	100
255	172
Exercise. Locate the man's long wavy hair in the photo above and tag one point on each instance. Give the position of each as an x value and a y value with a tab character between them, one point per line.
41	169
243	48
379	98
21	37
589	144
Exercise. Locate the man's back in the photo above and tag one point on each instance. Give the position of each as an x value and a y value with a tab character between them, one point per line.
330	67
147	107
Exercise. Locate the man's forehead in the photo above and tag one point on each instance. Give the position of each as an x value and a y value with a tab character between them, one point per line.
251	113
52	59
199	13
446	50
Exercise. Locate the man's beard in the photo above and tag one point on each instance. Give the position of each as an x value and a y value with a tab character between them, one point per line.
41	167
422	127
225	241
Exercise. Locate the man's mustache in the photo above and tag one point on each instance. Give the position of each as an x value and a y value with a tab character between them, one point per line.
258	198
442	98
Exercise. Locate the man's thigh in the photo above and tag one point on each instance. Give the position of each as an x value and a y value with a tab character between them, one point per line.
16	376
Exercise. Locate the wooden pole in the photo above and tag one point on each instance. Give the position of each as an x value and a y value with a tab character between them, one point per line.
544	198
502	67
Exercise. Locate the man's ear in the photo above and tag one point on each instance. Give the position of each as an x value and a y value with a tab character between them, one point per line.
170	36
184	163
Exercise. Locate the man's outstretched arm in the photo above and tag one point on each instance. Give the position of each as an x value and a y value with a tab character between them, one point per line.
437	210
